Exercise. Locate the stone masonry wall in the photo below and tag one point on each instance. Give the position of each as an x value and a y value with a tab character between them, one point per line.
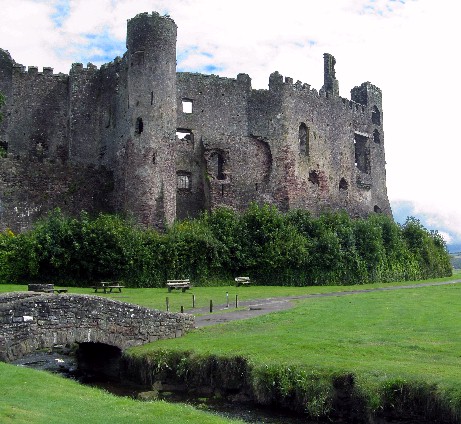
290	146
30	321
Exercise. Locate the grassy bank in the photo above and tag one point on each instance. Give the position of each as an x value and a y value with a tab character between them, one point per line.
35	397
398	350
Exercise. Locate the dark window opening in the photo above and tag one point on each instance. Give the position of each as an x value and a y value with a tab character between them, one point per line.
183	181
314	177
362	153
220	174
154	158
343	184
137	58
3	149
375	116
139	126
303	137
217	165
377	209
184	134
187	105
151	97
376	137
256	186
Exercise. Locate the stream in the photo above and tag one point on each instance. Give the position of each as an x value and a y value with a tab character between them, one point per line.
62	361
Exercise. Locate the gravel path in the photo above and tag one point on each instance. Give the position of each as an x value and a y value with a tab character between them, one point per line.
256	307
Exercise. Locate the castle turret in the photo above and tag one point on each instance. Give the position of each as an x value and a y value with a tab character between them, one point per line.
148	162
330	83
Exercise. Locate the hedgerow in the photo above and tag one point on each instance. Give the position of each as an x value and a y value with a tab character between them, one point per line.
271	247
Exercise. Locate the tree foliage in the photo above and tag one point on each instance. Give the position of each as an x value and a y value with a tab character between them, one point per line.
271	247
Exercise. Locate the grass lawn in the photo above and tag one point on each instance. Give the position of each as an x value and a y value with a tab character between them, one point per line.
407	335
36	397
156	297
410	334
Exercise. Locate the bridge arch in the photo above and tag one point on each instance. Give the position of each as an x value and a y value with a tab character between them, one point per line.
31	321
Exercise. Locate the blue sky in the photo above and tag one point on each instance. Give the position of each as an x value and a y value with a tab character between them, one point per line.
407	48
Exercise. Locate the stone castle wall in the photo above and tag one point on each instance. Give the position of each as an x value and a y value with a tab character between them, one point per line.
114	129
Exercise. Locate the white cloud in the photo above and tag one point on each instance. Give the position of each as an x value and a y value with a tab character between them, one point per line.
407	48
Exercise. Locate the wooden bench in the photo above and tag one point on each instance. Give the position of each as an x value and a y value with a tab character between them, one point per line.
107	287
178	284
242	281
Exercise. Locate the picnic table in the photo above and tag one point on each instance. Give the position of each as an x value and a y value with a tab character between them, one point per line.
107	287
178	285
242	281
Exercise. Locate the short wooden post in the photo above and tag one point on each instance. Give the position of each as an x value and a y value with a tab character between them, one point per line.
193	301
167	304
182	309
227	299
211	306
236	300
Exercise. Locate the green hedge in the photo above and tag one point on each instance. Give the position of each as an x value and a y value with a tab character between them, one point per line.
271	247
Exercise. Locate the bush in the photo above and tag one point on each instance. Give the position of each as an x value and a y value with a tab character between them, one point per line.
271	247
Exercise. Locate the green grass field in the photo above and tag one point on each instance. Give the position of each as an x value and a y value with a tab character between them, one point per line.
156	297
406	335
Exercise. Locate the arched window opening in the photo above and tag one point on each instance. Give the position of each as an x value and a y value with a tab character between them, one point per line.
343	184
139	127
377	209
376	137
220	167
303	137
376	116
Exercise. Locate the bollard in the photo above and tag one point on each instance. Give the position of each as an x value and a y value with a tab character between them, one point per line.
167	304
227	299
236	300
193	301
211	306
182	309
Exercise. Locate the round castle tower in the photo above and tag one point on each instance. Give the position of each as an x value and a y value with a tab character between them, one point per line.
149	161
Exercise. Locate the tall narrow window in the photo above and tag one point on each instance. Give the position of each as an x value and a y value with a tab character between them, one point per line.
362	153
216	165
187	105
139	127
303	137
376	137
375	116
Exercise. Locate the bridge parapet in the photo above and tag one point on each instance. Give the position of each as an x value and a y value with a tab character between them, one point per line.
31	321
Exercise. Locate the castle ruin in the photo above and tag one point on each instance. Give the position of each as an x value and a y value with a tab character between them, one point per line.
137	137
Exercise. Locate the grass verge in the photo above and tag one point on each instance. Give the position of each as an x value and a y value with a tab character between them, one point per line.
36	397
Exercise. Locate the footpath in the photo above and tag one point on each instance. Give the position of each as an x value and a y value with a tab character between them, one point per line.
252	308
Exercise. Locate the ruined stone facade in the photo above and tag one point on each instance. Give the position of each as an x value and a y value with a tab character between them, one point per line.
137	137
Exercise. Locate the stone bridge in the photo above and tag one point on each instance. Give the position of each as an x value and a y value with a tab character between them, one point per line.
31	321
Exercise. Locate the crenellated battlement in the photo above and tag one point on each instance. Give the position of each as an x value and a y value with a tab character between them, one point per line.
291	145
33	72
153	15
78	67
